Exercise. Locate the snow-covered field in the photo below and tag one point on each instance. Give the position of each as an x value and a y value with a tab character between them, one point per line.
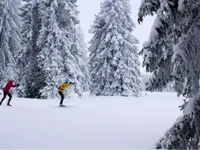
88	123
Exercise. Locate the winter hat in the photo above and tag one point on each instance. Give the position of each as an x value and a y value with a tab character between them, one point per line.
66	81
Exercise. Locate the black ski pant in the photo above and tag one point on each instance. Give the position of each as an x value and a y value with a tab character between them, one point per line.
4	97
62	97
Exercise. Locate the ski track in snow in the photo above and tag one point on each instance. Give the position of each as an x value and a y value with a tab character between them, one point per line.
88	123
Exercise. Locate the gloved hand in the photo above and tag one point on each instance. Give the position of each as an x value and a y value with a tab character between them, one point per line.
17	85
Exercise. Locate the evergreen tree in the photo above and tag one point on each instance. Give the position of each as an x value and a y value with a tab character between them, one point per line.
148	7
114	61
31	76
26	43
9	38
79	51
158	51
50	58
74	58
65	55
51	48
181	19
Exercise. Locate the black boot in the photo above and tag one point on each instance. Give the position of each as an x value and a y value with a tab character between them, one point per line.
9	105
10	97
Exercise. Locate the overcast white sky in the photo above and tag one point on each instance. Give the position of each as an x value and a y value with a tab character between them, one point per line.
88	9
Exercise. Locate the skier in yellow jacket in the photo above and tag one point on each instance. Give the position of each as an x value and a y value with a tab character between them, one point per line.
61	89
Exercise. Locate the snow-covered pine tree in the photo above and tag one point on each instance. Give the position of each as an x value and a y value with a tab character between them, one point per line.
50	58
73	56
26	43
114	60
31	76
9	38
2	12
158	51
148	7
84	54
66	54
183	20
79	50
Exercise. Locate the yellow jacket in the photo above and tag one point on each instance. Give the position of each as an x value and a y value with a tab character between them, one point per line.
63	86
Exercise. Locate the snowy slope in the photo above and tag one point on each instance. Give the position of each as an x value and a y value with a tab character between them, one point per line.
89	123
